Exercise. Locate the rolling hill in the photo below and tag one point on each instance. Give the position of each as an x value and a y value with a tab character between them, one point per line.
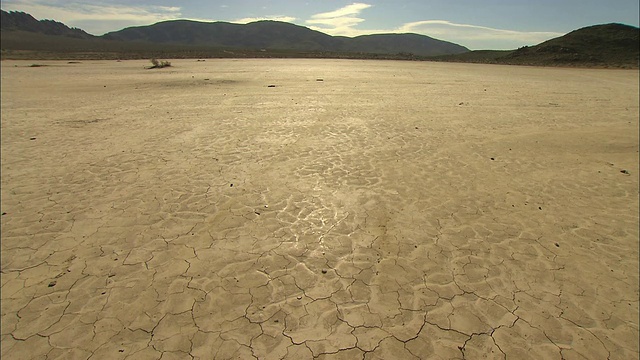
20	21
607	45
280	35
175	35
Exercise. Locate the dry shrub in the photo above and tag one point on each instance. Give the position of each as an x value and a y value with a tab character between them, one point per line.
159	64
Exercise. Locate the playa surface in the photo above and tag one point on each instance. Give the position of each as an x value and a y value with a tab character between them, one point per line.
356	209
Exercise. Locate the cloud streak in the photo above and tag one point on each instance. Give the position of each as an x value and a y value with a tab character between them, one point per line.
95	18
466	33
346	21
339	22
353	9
73	11
272	17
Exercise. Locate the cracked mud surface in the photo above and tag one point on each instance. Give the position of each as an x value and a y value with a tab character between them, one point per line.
394	210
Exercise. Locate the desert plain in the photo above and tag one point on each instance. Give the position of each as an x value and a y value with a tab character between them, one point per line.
351	210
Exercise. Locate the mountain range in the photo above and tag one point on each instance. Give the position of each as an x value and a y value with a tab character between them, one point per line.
23	36
281	35
267	35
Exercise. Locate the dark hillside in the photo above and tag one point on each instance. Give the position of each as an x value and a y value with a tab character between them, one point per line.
20	21
281	35
408	43
608	45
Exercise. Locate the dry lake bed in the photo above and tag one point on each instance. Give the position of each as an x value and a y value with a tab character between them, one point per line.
330	209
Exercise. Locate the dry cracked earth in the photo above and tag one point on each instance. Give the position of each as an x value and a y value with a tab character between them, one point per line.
354	210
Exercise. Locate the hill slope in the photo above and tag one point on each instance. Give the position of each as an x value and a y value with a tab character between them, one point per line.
281	35
20	21
607	45
403	43
611	44
261	35
176	34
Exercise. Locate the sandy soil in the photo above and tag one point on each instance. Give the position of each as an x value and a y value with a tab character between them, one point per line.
392	210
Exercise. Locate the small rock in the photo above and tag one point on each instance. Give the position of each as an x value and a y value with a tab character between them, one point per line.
624	172
493	158
52	284
121	350
266	206
4	213
32	138
299	298
271	86
206	79
557	245
324	271
319	79
230	185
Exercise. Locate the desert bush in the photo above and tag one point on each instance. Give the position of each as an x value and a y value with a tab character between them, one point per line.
158	64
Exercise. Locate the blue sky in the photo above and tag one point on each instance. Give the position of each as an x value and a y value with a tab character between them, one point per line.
476	24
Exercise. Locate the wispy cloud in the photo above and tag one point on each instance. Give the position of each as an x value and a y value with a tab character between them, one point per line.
94	18
349	10
72	11
341	21
480	36
274	18
347	21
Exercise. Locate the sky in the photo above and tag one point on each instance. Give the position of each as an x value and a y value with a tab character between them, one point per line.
476	24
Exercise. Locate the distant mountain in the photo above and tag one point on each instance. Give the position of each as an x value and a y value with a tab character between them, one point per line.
403	43
20	21
280	35
257	35
607	45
